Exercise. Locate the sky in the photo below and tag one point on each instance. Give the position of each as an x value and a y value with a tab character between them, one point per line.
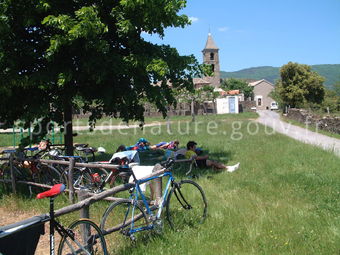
251	33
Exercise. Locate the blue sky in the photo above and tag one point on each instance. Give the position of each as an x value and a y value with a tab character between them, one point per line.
254	33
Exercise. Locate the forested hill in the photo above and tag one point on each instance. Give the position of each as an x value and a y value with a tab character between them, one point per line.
270	73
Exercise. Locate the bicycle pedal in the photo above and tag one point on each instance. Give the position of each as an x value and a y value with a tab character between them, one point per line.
133	238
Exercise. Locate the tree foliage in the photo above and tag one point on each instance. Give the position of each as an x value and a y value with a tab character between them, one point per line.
53	51
299	85
233	84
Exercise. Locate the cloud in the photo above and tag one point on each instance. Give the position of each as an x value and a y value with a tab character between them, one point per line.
193	19
223	29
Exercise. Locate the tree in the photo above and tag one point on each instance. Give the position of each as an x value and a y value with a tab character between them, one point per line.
299	85
234	84
55	51
336	88
209	94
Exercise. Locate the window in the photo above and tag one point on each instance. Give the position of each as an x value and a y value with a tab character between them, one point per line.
259	101
213	67
211	56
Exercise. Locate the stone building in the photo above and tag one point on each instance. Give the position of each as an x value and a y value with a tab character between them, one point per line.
262	89
210	57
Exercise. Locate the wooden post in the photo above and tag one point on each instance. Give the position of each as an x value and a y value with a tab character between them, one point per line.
70	180
84	211
11	157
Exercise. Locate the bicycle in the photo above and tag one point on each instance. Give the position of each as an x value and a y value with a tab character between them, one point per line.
87	178
86	152
26	169
82	237
185	203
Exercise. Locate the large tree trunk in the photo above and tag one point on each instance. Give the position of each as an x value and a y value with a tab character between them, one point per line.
68	135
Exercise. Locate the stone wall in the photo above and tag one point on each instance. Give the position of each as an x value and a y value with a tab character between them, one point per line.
182	109
330	124
246	106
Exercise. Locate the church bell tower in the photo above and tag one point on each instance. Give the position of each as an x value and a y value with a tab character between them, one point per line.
210	57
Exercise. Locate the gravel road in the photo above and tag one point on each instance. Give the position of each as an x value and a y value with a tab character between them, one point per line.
272	119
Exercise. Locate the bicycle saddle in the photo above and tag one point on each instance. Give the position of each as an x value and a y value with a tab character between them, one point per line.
54	191
81	145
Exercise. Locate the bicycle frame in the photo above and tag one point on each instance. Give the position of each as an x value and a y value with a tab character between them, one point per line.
55	225
138	192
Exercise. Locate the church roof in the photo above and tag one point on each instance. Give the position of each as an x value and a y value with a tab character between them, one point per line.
210	43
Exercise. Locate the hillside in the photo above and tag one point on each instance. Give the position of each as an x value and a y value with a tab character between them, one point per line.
270	73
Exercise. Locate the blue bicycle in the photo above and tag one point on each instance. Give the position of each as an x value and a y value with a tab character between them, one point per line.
185	203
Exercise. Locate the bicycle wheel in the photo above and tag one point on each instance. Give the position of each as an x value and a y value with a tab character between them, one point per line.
48	175
186	204
86	238
21	174
87	154
82	179
117	219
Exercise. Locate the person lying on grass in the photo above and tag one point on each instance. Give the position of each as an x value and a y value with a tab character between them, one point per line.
204	162
172	145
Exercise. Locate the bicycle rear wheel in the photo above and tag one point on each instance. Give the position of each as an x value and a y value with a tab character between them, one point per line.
117	219
87	154
21	174
186	204
48	175
86	238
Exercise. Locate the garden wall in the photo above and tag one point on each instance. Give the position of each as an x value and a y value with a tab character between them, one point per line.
247	106
330	124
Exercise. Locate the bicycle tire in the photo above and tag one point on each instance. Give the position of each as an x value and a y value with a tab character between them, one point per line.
116	221
86	155
86	238
82	179
20	174
186	204
48	175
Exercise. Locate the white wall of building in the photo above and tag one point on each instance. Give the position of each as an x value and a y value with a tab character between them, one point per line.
228	104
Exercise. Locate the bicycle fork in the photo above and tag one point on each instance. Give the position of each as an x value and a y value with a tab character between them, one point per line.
181	198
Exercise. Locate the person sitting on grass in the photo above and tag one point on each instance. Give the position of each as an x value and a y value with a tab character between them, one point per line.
204	162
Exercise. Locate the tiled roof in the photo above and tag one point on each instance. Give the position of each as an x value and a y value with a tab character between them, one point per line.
253	84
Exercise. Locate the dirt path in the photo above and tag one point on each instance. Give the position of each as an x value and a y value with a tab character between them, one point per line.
272	119
11	214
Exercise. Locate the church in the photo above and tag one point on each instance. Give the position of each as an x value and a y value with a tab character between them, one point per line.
262	88
210	57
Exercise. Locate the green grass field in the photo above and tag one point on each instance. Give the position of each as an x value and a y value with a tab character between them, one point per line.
284	199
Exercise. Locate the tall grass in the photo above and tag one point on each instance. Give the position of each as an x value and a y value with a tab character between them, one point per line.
284	199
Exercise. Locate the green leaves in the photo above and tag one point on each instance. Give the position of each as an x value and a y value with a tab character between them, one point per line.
63	52
299	85
85	24
232	84
158	67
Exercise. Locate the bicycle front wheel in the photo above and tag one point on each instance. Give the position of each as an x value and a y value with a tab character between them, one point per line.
119	219
186	204
85	238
